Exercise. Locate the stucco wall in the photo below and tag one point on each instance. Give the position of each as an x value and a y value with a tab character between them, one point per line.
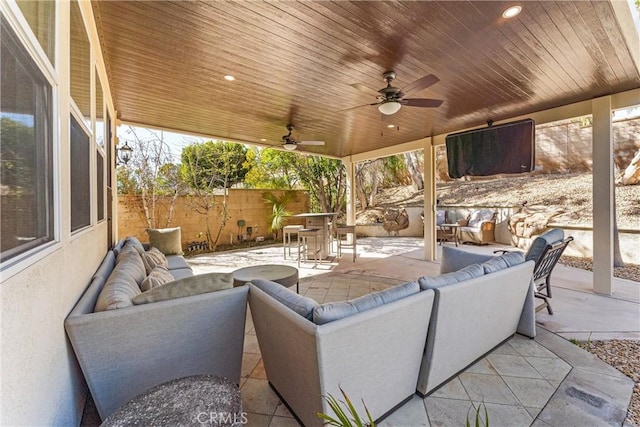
247	205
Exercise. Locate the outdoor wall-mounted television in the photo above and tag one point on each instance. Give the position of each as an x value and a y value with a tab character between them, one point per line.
505	148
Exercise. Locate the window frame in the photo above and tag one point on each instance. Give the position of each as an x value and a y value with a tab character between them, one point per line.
29	42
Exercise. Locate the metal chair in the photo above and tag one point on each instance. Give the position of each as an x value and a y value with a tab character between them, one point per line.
545	251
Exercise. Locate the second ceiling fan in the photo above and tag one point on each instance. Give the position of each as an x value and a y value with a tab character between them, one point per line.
391	99
291	144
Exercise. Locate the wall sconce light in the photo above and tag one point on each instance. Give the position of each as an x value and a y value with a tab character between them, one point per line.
123	154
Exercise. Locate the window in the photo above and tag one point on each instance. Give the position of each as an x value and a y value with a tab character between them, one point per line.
100	184
80	178
26	150
80	64
42	19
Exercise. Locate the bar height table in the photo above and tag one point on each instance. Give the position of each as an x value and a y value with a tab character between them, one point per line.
321	221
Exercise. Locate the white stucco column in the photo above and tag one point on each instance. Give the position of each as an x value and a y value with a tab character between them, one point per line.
430	252
603	200
350	167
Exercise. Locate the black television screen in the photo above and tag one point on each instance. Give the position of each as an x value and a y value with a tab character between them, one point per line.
505	148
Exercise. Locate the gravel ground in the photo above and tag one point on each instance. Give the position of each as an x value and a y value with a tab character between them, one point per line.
629	271
624	355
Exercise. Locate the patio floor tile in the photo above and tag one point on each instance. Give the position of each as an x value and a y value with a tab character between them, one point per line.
504	415
531	392
447	412
452	390
283	422
514	366
413	414
257	420
550	368
249	363
258	398
482	366
487	388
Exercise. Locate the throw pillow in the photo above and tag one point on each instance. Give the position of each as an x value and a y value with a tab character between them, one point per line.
157	277
153	258
193	285
330	312
302	305
167	240
433	282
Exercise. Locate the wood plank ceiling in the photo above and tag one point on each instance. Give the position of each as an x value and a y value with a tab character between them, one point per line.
298	61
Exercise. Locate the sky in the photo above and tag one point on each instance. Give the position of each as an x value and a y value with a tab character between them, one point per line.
175	141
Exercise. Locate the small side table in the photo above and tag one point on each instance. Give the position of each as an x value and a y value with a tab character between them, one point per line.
283	274
197	400
449	231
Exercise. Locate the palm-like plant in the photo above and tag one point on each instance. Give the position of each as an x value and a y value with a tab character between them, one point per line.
279	210
346	416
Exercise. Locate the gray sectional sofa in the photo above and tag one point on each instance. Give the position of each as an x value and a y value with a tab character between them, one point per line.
383	347
127	349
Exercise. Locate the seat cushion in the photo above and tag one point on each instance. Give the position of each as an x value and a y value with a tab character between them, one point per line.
175	262
194	285
302	305
466	273
330	312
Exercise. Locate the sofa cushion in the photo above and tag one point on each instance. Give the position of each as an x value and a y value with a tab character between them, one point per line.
107	265
302	305
503	261
175	262
181	273
167	240
158	276
193	285
153	258
478	216
329	312
130	260
539	243
454	259
133	241
466	273
119	290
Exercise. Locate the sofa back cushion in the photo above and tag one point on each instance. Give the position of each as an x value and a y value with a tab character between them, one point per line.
186	287
454	259
118	292
466	273
441	216
134	242
503	261
302	305
329	312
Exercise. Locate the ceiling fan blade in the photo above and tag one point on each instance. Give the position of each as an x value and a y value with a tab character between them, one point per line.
311	143
419	102
421	84
358	106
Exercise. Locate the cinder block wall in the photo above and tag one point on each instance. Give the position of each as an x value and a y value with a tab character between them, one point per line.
188	213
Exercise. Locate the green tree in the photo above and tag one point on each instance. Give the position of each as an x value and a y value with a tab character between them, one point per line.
209	169
219	164
271	169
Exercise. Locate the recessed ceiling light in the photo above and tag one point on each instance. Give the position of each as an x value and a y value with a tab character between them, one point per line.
391	126
512	11
229	78
263	140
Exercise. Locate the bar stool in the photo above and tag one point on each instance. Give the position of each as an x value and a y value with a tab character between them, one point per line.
309	233
345	230
287	231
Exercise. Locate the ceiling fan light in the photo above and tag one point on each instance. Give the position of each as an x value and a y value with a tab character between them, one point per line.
289	146
389	107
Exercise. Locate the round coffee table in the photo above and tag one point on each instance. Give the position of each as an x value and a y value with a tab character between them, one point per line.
283	274
199	399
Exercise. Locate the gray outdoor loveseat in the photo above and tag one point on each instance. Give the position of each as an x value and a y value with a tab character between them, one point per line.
383	347
127	349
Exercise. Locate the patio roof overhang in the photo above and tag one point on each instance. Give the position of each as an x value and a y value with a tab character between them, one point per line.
296	62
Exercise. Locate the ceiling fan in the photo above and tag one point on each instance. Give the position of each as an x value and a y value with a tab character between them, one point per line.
290	144
390	98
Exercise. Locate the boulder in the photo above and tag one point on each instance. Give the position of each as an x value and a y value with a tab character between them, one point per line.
532	220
